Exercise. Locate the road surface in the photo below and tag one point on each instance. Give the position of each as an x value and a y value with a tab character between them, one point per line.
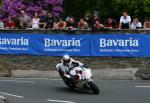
54	91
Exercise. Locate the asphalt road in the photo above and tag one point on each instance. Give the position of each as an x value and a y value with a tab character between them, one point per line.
54	91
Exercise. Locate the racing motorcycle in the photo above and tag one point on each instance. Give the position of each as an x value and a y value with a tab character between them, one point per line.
81	79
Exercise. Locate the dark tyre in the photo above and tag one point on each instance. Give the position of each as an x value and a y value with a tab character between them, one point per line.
69	84
93	87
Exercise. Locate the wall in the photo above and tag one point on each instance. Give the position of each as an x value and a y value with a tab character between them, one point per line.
48	63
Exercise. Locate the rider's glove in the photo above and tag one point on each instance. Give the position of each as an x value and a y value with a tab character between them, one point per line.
84	65
83	78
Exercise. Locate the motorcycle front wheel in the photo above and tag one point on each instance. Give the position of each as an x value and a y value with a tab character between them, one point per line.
69	83
93	87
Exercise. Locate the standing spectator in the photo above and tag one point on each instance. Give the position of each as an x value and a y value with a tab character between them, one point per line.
43	19
136	24
1	24
87	18
24	20
147	23
95	22
10	24
50	21
82	24
71	24
61	24
125	21
35	22
110	24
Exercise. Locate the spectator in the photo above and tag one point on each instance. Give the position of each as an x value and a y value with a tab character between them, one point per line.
43	19
147	23
98	25
10	24
35	22
87	18
95	22
125	21
67	18
24	20
61	24
82	24
71	24
110	24
136	24
1	24
50	21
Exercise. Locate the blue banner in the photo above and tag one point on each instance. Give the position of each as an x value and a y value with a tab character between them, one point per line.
42	44
122	45
118	45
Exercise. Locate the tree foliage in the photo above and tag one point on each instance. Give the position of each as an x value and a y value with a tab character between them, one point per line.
107	8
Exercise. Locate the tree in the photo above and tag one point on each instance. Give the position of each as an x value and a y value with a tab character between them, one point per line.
109	8
78	8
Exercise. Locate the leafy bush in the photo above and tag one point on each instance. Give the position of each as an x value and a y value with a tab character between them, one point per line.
13	7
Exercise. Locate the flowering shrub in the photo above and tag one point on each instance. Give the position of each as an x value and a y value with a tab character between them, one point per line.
13	7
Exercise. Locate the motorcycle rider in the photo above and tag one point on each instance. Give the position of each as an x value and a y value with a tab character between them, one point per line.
67	63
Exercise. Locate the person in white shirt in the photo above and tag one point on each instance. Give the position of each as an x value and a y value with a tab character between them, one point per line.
1	24
125	21
136	24
35	22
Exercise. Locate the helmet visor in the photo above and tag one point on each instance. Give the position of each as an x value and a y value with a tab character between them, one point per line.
66	61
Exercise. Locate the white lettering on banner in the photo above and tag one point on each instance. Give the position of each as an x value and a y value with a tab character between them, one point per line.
14	41
52	42
119	42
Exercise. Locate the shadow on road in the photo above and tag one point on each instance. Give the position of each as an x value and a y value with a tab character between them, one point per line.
69	91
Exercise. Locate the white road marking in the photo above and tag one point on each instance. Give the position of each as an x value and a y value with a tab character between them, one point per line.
142	86
59	101
28	78
25	81
2	97
16	81
55	79
13	95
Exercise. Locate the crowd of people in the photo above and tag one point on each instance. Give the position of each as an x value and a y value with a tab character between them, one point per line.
45	20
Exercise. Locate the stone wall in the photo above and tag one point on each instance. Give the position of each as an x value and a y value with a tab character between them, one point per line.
48	63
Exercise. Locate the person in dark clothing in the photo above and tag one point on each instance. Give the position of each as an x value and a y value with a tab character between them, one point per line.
94	20
43	20
50	21
71	24
110	24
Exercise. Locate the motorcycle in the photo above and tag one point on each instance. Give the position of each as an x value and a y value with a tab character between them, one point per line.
81	79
